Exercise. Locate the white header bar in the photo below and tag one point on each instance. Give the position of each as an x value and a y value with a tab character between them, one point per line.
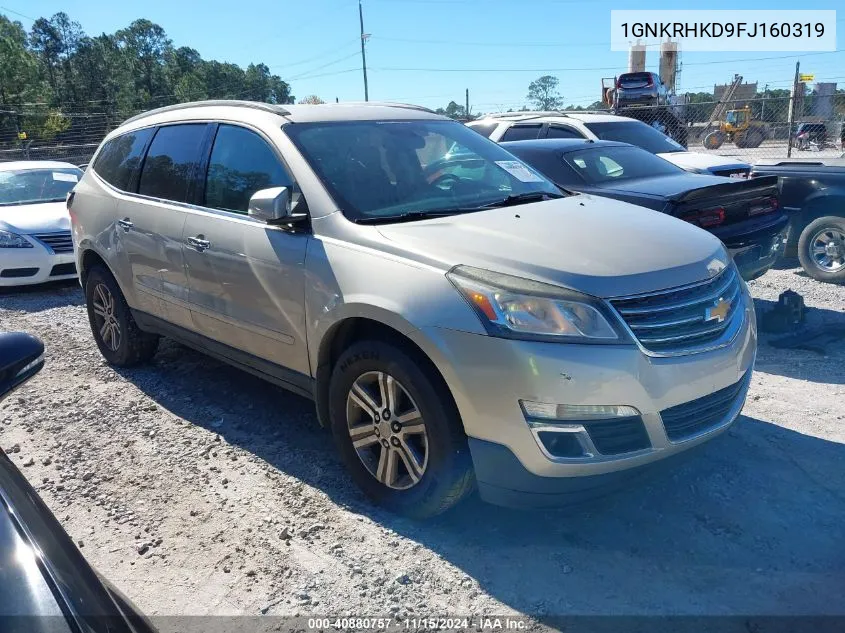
741	30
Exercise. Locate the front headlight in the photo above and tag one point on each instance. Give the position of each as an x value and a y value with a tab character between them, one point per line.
13	240
513	307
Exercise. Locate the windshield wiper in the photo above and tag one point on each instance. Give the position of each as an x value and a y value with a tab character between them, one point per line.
522	198
408	216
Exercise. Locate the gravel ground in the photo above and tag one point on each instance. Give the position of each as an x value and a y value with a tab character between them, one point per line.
199	489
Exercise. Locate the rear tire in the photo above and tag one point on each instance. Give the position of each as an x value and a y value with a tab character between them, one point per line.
419	474
820	261
120	340
754	138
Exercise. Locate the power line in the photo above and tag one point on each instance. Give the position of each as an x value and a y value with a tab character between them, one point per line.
325	53
17	13
326	65
496	44
540	70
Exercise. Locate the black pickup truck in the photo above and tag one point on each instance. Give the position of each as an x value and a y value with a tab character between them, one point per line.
812	191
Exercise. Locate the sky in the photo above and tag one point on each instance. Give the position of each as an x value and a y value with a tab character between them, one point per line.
429	52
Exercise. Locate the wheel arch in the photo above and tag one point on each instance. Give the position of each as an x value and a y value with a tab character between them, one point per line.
818	205
352	329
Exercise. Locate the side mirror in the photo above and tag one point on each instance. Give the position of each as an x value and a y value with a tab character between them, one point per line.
270	205
21	357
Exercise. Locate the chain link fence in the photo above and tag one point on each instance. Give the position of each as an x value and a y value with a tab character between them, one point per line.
40	134
752	129
749	130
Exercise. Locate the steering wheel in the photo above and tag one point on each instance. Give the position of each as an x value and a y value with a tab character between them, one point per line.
443	179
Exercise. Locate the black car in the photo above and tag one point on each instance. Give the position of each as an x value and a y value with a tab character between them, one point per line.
744	214
642	88
813	192
46	585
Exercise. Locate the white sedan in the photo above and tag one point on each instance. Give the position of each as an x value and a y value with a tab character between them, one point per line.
35	241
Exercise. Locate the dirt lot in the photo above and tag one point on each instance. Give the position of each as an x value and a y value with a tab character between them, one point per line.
198	489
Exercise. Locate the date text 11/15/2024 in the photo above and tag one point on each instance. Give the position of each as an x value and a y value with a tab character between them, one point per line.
414	623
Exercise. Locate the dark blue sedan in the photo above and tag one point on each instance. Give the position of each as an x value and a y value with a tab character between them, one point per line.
744	214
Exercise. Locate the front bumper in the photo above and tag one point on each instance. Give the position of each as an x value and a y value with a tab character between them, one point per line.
28	266
489	376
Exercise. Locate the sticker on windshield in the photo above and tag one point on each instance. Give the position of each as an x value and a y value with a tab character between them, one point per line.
57	175
518	171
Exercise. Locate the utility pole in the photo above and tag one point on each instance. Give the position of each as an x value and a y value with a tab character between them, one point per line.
363	52
792	107
466	112
763	105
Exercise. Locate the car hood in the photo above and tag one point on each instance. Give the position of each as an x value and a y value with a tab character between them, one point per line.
666	186
35	218
697	160
595	245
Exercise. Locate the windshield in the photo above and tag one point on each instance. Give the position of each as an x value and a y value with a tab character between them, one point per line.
31	186
381	169
616	164
635	133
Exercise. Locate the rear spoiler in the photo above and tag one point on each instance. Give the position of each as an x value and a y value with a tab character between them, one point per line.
764	185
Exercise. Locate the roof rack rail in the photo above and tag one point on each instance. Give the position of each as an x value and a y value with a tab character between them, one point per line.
390	104
257	105
526	113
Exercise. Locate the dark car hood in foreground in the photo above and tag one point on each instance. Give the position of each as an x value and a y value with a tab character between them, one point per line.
596	245
96	607
687	187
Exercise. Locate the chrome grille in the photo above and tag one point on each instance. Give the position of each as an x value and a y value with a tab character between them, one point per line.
679	320
59	242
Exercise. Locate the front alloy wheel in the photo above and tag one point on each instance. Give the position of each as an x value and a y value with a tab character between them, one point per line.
387	430
104	317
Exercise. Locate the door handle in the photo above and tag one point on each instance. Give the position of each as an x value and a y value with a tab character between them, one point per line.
198	243
126	224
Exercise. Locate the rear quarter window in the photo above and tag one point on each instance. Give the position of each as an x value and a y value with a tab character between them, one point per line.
522	132
485	129
121	157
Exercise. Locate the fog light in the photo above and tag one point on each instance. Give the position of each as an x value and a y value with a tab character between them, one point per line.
567	412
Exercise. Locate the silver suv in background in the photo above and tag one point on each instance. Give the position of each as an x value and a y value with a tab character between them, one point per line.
456	325
521	126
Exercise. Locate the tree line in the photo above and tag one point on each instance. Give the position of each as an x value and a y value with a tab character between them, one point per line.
56	68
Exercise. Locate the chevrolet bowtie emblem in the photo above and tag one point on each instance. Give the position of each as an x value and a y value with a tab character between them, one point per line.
718	311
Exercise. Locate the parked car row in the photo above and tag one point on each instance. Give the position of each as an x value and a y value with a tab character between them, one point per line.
535	319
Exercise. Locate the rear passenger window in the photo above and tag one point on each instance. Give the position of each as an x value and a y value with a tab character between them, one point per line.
241	163
521	132
171	161
556	131
120	158
485	129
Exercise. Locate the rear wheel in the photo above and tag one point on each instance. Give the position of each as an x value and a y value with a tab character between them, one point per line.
120	340
714	140
821	249
398	431
754	138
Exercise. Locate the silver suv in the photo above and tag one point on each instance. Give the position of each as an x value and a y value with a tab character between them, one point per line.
457	319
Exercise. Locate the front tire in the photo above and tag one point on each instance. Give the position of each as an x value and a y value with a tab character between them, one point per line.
398	431
821	249
714	140
120	340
